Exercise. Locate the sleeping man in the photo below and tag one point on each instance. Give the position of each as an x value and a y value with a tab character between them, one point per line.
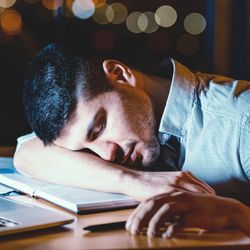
177	141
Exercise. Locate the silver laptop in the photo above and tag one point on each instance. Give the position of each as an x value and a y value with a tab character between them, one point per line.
18	217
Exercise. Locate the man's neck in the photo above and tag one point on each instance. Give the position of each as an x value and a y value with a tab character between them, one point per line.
157	89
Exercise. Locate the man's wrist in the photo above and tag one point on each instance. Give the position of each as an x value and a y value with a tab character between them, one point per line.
130	183
242	218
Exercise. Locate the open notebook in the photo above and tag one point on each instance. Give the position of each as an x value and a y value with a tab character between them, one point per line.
77	200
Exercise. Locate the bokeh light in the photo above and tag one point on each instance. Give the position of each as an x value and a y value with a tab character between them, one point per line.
99	3
103	40
142	22
132	21
52	4
110	14
119	12
195	23
165	16
7	3
11	22
187	44
151	25
100	15
67	10
83	9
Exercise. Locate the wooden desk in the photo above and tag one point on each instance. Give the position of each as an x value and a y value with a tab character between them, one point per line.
73	237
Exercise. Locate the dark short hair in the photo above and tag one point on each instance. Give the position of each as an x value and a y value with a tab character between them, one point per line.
55	81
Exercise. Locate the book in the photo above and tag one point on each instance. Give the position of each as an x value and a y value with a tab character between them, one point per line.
77	200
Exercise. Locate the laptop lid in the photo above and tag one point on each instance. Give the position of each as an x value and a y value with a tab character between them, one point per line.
18	217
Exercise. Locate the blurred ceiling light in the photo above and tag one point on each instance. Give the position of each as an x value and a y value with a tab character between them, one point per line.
187	44
52	4
83	9
11	22
7	3
100	15
119	13
142	22
32	1
110	14
67	10
132	22
151	25
99	3
195	23
165	16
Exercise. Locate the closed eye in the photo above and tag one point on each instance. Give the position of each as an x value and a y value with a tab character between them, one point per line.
98	125
97	131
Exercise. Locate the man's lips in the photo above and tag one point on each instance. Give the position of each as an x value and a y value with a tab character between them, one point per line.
130	156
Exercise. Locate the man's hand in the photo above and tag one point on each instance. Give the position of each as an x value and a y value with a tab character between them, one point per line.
182	209
147	184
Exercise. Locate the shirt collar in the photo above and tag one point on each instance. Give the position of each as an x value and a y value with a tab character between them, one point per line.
180	101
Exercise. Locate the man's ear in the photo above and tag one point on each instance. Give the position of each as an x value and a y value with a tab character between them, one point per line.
118	72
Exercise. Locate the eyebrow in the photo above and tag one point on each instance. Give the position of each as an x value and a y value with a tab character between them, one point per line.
98	116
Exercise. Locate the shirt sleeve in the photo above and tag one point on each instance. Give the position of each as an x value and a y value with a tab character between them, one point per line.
24	138
245	148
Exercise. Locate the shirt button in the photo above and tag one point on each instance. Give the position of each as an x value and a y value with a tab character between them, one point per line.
164	137
182	132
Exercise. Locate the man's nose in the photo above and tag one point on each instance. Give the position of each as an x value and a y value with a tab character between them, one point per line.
108	151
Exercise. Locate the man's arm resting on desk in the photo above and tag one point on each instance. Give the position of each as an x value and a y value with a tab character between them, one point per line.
80	169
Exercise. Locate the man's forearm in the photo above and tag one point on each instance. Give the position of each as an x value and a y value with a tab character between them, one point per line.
80	169
74	168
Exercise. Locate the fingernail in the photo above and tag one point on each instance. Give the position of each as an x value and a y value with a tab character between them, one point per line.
150	233
127	225
134	231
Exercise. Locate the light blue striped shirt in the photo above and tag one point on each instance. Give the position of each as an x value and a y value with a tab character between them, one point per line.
205	128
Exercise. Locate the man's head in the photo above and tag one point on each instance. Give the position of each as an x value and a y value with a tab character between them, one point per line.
80	103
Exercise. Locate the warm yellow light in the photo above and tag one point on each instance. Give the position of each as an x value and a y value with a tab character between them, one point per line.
147	22
100	14
142	22
195	23
132	22
52	4
67	8
7	3
165	16
118	13
99	3
11	22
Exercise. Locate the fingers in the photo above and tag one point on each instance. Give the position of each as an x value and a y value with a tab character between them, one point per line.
188	186
165	215
171	230
197	181
152	216
141	215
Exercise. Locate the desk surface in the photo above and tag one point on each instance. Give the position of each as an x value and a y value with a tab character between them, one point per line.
73	237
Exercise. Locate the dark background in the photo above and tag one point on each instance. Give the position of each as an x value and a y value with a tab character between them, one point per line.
221	48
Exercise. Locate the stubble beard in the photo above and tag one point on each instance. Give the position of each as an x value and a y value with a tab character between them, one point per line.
144	123
151	153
